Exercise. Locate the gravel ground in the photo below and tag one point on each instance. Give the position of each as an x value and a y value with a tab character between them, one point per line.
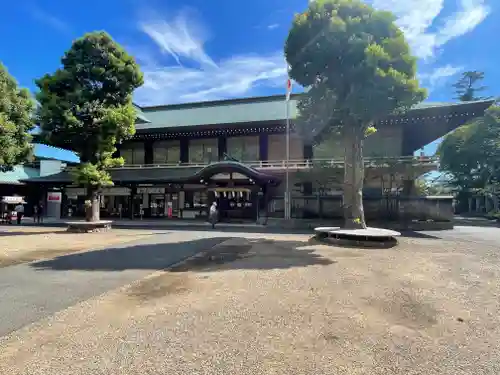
274	306
25	244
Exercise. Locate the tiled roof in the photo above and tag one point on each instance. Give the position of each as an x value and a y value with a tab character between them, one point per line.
41	151
245	110
19	173
126	175
234	111
168	175
140	116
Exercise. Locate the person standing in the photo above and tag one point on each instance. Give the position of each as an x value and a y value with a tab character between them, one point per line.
39	218
19	212
212	215
35	213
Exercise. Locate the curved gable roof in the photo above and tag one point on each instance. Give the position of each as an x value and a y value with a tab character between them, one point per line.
233	167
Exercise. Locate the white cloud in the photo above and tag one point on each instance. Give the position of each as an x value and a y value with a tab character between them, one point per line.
178	39
273	26
195	75
416	17
48	19
439	76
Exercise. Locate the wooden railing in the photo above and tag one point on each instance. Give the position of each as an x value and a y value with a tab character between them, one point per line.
303	163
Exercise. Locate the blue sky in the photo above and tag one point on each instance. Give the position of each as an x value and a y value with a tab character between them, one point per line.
193	50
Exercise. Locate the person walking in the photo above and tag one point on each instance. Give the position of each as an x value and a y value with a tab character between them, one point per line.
212	215
35	213
19	212
39	217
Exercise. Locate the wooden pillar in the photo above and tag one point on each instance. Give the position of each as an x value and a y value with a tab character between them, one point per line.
148	152
221	146
133	192
64	203
184	145
308	152
264	146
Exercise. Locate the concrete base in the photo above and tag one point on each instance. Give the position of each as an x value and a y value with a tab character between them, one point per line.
88	226
367	233
369	237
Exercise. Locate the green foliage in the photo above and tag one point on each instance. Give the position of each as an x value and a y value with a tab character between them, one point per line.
471	153
355	62
370	130
466	88
86	105
16	110
357	69
424	187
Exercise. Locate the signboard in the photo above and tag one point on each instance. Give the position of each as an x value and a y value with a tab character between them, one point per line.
151	190
13	200
116	191
221	176
75	192
54	196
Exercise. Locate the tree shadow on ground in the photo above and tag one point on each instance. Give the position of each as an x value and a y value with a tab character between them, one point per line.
158	256
414	234
63	232
254	253
21	233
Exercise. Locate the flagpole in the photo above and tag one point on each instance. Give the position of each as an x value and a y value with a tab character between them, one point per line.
287	178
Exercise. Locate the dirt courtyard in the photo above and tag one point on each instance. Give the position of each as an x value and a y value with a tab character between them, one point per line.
284	306
20	244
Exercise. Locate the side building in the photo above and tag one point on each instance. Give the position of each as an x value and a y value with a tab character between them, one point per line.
185	156
46	161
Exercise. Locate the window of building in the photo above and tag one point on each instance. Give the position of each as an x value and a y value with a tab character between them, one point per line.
166	152
244	148
133	153
277	147
196	199
203	150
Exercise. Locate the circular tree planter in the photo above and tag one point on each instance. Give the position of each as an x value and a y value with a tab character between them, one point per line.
369	237
88	226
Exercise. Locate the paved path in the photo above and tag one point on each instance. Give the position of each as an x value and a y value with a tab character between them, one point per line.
30	292
479	235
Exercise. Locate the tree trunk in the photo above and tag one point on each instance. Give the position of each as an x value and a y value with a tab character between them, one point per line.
354	171
92	211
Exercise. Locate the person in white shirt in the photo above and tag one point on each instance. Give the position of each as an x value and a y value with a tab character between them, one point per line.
212	215
20	212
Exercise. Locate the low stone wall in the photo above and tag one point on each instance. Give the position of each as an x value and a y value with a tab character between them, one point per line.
427	208
394	225
379	209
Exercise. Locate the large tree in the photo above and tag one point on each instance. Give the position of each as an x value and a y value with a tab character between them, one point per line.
357	67
468	152
16	121
86	105
466	88
471	154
